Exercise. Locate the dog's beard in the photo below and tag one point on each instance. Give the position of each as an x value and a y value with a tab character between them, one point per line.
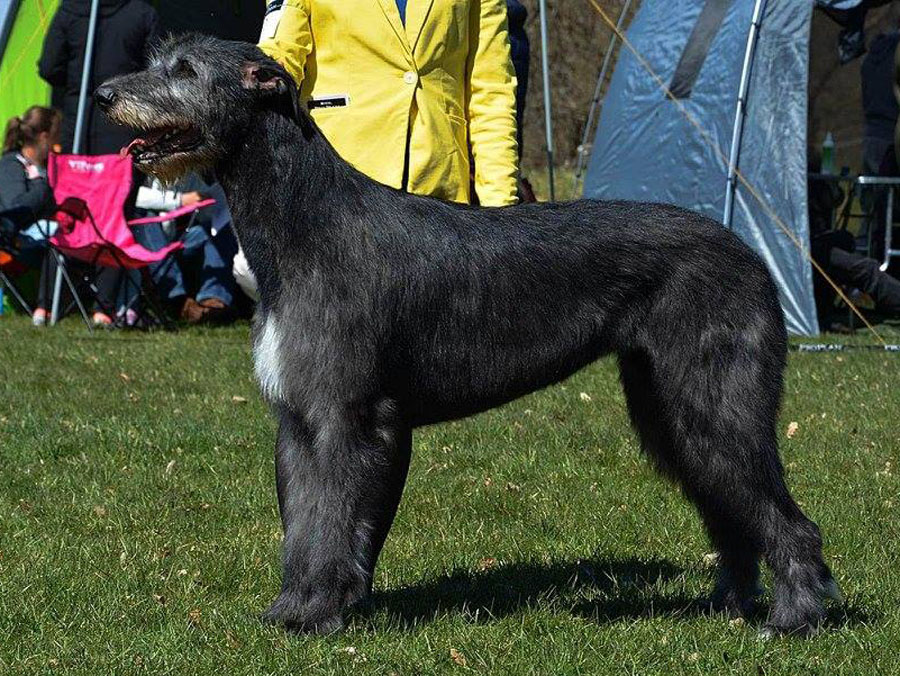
174	167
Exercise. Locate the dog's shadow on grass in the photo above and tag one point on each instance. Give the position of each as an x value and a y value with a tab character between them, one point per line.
601	590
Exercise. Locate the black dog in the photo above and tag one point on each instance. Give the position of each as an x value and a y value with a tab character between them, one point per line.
382	311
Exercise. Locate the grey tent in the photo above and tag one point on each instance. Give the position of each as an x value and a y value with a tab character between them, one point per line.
747	90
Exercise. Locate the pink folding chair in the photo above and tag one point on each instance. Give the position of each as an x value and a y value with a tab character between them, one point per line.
90	191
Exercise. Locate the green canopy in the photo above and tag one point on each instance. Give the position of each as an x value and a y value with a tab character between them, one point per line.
20	85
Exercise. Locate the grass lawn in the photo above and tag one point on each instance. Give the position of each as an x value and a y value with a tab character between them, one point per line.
139	529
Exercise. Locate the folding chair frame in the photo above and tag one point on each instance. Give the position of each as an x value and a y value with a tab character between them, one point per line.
7	283
145	290
63	274
12	216
21	216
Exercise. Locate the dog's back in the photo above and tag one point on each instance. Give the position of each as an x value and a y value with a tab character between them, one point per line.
520	297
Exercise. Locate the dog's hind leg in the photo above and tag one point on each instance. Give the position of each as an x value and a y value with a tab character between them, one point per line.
709	423
802	578
338	489
739	553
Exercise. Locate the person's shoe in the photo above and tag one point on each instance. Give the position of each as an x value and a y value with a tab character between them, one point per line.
102	319
192	312
39	317
216	310
127	317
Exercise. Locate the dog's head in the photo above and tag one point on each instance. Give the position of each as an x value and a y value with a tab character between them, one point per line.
195	102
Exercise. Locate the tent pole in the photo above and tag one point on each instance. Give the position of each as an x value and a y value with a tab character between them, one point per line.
85	78
595	101
79	131
548	120
740	112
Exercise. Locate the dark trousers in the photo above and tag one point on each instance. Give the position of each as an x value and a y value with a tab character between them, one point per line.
834	251
855	270
112	294
107	280
47	280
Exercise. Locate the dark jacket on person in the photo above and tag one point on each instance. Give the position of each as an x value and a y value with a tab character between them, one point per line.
520	53
877	70
17	190
125	30
896	90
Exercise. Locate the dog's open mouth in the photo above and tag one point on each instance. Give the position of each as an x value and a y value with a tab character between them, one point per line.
155	144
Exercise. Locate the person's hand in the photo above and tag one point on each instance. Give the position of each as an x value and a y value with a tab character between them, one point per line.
191	198
32	171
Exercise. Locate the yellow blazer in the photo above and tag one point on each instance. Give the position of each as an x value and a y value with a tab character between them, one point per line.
444	80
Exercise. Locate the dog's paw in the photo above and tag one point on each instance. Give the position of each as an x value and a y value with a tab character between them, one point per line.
793	621
733	602
801	613
832	591
732	605
298	615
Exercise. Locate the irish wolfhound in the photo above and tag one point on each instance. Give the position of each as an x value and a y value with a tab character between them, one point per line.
382	311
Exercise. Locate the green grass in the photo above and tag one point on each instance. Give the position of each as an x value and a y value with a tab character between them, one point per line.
563	183
139	530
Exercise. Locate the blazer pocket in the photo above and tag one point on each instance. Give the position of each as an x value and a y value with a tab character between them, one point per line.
459	126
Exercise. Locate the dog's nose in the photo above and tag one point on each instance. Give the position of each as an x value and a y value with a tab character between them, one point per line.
105	96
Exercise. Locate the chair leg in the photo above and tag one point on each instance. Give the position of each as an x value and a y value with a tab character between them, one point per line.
57	289
7	282
149	293
77	298
146	290
62	275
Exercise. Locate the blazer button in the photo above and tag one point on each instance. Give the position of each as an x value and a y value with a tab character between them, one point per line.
410	77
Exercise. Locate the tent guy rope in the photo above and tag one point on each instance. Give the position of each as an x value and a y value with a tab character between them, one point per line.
739	175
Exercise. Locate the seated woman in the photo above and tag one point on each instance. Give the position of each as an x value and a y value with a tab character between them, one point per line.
835	251
24	187
209	250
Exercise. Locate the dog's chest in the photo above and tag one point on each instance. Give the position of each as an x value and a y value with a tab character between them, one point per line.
267	358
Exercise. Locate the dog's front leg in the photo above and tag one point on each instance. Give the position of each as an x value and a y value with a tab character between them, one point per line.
384	508
338	490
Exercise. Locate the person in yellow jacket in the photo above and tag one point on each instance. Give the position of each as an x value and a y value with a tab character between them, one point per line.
405	90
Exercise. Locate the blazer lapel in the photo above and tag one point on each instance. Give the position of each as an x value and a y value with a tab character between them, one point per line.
416	14
392	14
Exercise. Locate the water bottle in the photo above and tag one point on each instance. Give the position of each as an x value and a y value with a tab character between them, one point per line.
2	301
828	154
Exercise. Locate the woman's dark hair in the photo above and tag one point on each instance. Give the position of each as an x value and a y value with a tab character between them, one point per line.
22	131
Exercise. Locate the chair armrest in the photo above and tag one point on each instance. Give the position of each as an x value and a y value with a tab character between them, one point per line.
172	215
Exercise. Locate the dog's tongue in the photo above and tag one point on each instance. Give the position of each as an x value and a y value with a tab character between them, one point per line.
148	139
137	143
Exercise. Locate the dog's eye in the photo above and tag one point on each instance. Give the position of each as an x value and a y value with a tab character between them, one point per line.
183	69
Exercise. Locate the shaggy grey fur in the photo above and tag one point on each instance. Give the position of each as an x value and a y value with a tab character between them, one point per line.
382	311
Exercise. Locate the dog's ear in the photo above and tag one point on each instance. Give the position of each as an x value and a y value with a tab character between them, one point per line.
272	81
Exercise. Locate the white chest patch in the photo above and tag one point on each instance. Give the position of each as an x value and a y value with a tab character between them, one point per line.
267	361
